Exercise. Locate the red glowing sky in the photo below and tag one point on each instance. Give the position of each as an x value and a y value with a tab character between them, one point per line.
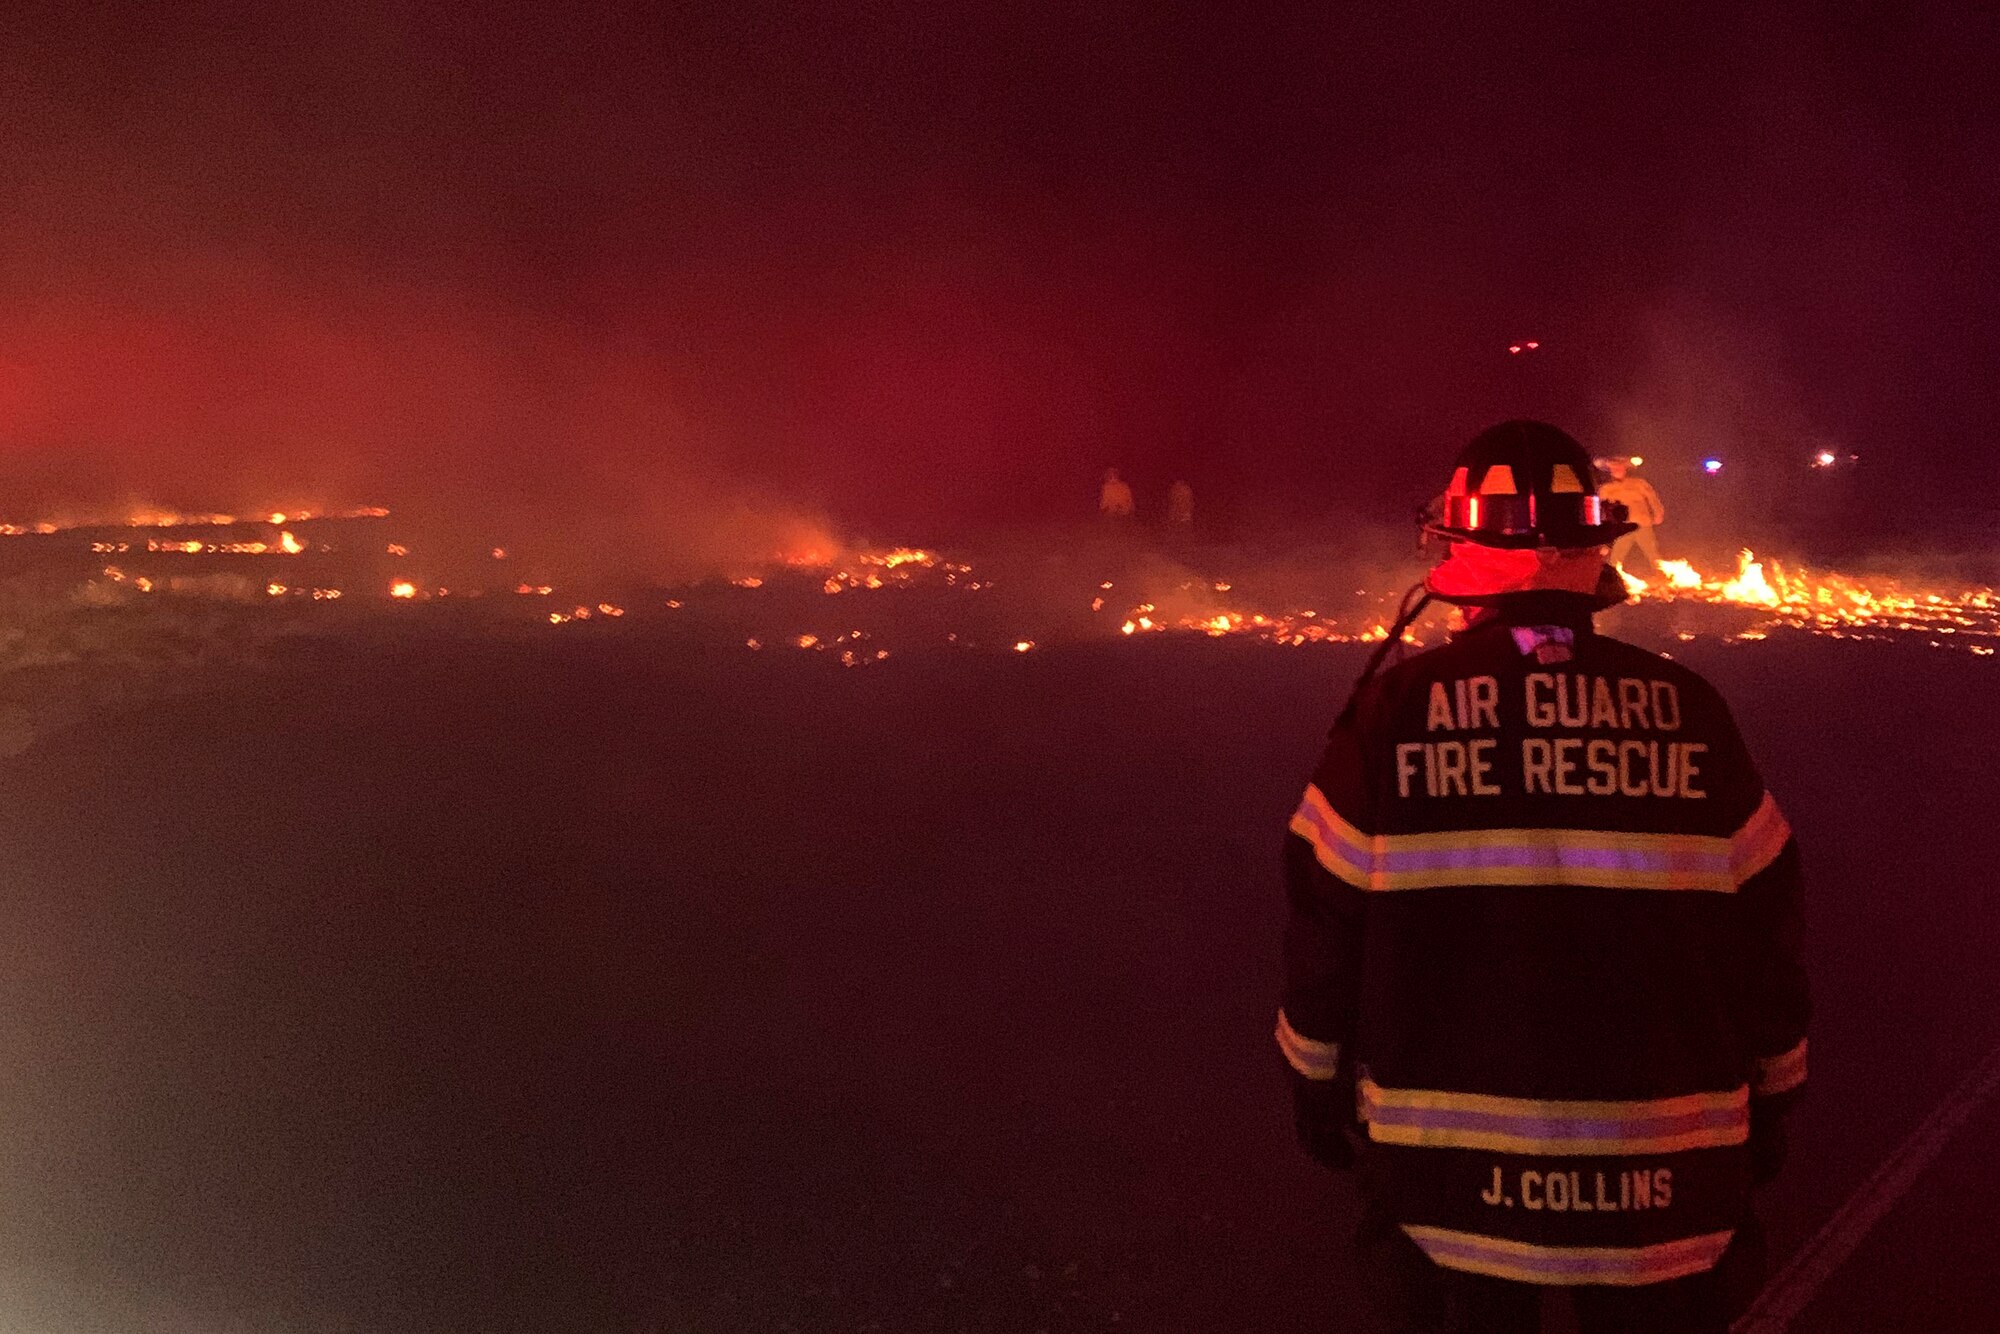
914	263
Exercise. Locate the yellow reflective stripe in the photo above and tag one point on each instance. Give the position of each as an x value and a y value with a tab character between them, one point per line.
1439	1119
1598	858
1757	844
1607	859
1525	1262
1308	1056
1340	847
1781	1073
1488	1102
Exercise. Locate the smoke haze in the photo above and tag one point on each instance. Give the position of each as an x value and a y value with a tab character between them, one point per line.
700	281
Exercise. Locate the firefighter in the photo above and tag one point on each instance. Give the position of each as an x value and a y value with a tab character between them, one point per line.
1114	498
1642	509
1542	981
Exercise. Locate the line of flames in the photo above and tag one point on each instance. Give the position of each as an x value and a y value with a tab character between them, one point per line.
1786	596
151	518
1829	603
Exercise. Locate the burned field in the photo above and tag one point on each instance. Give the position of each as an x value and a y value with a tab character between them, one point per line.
439	966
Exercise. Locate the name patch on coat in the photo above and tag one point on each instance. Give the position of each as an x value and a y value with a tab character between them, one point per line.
1581	1192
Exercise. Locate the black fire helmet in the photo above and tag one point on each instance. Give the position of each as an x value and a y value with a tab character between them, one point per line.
1525	484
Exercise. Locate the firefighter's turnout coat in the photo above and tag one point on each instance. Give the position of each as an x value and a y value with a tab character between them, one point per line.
1546	918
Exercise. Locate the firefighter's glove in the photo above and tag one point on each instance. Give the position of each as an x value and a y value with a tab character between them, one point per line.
1323	1114
1770	1142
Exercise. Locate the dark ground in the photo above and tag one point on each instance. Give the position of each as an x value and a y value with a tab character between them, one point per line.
597	985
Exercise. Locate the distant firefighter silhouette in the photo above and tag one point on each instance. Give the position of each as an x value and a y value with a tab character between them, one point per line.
1642	508
1114	498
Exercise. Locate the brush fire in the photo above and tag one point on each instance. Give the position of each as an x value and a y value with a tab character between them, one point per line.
812	598
100	613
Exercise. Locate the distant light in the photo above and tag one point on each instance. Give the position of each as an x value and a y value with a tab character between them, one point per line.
1638	462
1711	466
1826	458
402	589
1531	346
1514	347
1023	645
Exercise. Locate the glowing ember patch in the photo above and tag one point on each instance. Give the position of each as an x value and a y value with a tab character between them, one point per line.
1023	645
748	582
533	590
276	590
899	557
398	549
402	589
499	553
807	641
290	545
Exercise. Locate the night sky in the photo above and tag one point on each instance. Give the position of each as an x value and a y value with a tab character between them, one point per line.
916	264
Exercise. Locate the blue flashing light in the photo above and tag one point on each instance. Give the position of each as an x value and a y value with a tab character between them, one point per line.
1711	466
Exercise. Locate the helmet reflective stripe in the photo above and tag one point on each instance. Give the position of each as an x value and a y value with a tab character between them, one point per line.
1509	514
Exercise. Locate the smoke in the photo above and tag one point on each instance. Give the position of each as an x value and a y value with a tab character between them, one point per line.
1708	384
236	390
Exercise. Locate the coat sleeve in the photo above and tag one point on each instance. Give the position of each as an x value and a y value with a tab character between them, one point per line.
1770	896
1327	861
